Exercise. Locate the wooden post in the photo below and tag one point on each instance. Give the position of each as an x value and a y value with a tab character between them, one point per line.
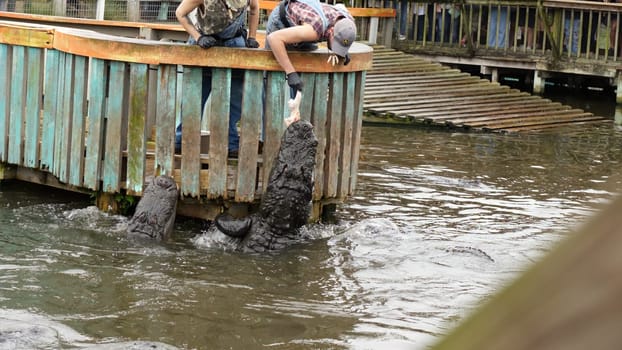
388	31
373	30
492	71
7	171
106	202
618	81
60	7
99	12
133	10
538	82
618	115
163	13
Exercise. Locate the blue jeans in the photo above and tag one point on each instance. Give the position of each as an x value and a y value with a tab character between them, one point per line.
573	35
447	27
402	10
496	34
237	81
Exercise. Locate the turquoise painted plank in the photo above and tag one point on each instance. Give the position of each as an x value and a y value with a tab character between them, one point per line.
5	96
250	128
94	140
306	103
346	145
219	126
277	95
16	113
78	121
58	124
63	119
318	120
165	119
358	126
191	131
335	120
136	132
51	93
114	121
34	91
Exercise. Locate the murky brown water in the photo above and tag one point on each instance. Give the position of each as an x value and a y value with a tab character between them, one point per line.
439	222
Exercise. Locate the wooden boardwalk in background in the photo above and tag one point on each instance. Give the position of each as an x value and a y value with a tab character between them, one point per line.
401	88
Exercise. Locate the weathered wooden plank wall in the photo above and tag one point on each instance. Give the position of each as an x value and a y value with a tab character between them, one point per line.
5	79
94	148
78	121
165	119
34	91
49	108
219	126
250	124
115	114
191	136
17	104
86	98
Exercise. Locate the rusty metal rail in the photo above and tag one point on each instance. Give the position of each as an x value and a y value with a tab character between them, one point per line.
402	88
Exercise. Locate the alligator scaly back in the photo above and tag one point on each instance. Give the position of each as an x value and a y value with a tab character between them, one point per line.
286	204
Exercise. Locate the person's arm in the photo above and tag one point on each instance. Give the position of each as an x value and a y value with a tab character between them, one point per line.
253	19
182	11
291	35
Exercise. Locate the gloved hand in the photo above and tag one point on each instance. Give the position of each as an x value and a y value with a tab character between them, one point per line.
294	81
206	41
252	43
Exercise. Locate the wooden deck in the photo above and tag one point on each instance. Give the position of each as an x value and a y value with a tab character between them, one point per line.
402	88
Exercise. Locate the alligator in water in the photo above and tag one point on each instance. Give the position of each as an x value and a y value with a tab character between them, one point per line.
155	213
286	203
284	207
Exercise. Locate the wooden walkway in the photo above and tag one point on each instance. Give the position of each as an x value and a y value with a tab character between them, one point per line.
402	88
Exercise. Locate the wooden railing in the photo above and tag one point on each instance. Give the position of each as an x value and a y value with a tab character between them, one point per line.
99	112
554	28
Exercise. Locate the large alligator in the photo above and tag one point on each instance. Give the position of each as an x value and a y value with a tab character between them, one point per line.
155	213
283	210
286	203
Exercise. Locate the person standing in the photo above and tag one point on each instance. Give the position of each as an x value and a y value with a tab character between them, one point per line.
299	24
497	27
220	23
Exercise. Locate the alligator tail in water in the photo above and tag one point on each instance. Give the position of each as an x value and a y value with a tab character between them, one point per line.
155	213
286	203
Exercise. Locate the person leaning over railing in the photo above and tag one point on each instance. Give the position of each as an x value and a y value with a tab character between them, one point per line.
220	23
300	24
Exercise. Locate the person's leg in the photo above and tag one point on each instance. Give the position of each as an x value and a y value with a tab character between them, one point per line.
420	27
430	21
445	24
492	27
235	106
455	28
206	88
571	34
503	20
403	17
575	36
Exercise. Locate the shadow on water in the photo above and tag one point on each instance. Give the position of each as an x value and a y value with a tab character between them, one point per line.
440	220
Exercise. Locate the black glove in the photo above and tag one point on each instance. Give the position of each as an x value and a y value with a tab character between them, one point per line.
206	41
252	43
293	80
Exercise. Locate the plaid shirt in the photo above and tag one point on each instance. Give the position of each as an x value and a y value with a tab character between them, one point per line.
299	13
